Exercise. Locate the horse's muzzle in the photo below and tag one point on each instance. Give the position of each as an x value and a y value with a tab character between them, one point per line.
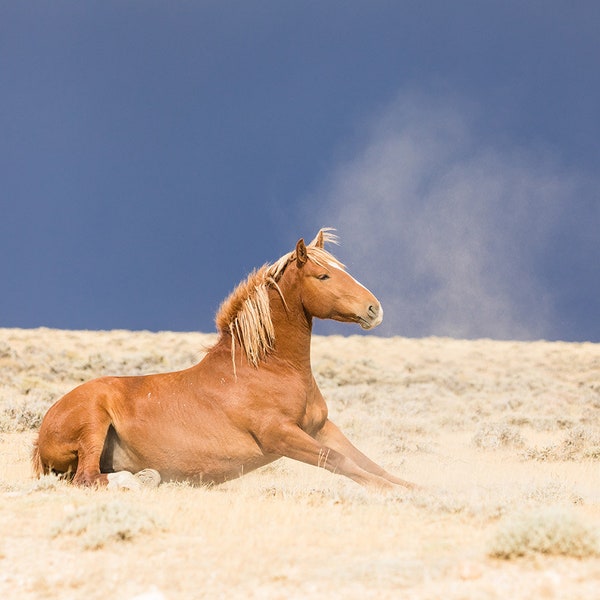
373	317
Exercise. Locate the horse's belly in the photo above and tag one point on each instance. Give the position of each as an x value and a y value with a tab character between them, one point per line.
198	462
125	460
216	470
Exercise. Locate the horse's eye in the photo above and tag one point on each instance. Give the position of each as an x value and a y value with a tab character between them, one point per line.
322	277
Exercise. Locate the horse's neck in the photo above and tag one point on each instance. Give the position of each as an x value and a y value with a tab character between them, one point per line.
293	328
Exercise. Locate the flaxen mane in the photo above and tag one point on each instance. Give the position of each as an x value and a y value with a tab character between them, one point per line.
246	313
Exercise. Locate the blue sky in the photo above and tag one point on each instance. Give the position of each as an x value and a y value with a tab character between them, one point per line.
153	153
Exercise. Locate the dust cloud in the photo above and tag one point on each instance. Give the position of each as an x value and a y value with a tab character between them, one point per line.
453	234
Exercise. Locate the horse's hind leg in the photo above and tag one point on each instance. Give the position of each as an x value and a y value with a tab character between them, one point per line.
91	450
75	438
77	425
91	444
88	470
71	439
90	465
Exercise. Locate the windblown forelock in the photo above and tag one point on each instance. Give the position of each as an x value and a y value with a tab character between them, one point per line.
324	259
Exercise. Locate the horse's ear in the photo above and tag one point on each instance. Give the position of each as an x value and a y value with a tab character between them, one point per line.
325	235
319	241
301	253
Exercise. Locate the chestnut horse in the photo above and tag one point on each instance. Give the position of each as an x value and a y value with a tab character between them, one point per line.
251	400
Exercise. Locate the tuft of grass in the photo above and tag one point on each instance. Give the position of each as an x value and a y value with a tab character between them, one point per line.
552	531
552	493
45	483
492	436
580	443
24	413
101	524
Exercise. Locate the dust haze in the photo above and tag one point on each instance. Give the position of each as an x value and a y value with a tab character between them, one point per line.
449	231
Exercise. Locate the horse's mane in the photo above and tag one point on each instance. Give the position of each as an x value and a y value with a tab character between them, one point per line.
246	313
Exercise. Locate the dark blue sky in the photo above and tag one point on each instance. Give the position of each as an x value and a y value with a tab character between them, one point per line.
153	153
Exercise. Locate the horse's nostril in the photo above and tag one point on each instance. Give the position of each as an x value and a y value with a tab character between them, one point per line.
373	310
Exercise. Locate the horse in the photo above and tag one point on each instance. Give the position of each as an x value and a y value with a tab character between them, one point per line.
251	400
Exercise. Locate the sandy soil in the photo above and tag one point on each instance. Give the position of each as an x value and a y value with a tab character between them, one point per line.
505	436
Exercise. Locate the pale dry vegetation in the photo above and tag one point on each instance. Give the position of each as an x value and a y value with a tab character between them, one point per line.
545	531
504	435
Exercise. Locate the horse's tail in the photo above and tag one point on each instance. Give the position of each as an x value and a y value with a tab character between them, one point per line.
36	460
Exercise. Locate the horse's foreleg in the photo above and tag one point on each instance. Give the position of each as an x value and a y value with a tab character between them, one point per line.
294	443
331	435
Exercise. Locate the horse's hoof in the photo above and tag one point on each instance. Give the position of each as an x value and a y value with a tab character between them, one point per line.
148	478
123	480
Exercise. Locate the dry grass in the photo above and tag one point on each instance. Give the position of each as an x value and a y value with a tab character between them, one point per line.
497	435
547	531
100	524
503	434
580	442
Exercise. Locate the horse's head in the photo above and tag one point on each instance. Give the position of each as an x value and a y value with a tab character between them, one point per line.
309	278
328	291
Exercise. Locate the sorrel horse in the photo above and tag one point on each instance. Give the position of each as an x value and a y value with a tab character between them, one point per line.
251	400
